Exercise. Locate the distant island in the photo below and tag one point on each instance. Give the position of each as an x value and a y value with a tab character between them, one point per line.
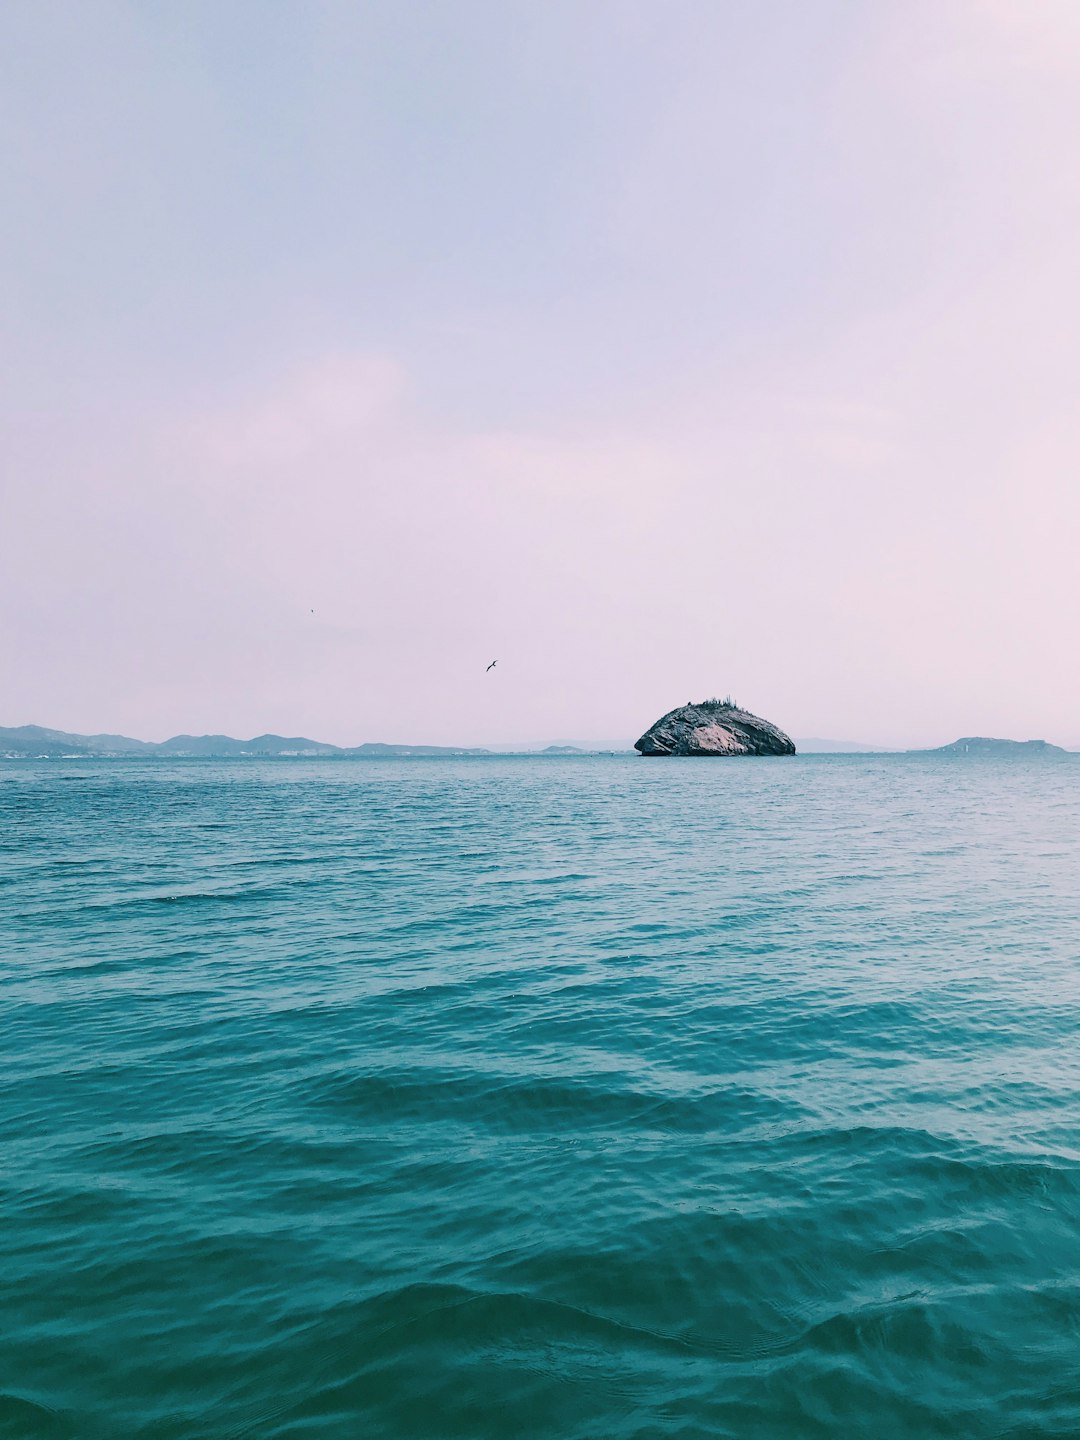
713	727
986	745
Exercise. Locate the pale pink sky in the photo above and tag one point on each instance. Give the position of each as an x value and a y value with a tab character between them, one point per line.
657	351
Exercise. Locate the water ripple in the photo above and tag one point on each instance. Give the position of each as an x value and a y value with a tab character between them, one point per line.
562	1098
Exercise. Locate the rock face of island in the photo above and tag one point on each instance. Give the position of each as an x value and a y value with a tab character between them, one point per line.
986	745
713	727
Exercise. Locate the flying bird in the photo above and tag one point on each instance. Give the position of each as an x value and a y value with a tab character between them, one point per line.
491	666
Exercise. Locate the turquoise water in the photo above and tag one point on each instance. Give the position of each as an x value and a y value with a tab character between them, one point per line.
553	1097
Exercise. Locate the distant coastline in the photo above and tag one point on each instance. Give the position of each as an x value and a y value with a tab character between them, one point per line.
816	745
36	742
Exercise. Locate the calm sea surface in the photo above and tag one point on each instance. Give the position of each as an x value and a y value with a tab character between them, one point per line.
563	1098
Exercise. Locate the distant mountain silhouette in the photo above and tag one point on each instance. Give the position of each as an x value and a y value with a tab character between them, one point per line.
225	745
35	741
987	745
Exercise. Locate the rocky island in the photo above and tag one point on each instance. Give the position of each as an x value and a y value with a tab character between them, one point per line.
713	727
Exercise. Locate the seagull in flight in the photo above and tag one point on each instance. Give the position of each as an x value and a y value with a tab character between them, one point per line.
491	666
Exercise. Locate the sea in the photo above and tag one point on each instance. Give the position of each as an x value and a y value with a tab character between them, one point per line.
563	1097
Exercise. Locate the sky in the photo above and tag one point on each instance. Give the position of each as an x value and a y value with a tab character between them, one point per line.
657	351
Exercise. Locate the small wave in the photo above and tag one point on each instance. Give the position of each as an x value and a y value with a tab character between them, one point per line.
24	1419
535	1103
